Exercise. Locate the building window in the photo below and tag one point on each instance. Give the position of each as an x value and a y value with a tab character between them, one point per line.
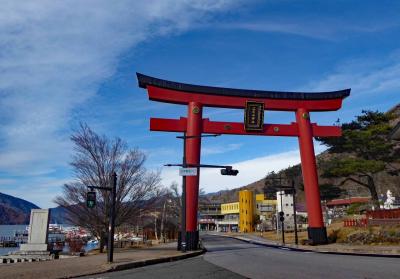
246	211
291	204
287	214
287	204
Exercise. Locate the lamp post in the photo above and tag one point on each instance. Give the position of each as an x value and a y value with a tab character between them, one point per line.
296	238
282	218
111	226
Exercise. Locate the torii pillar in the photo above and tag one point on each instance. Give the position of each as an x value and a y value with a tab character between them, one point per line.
193	145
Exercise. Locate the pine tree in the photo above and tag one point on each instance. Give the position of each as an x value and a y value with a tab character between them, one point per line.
362	151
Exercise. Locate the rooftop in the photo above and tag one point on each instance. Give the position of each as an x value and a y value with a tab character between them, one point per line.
348	201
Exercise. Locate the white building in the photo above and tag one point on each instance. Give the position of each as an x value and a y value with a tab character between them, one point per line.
285	204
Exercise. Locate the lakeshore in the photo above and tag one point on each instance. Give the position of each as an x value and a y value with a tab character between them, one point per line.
9	231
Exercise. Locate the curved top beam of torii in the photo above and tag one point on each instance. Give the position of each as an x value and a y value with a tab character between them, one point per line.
182	93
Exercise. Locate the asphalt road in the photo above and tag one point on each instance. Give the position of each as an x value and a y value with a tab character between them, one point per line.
190	268
230	258
255	261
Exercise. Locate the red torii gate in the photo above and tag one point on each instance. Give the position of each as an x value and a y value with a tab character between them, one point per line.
196	97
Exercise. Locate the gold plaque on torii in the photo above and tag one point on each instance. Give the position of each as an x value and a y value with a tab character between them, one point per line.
254	116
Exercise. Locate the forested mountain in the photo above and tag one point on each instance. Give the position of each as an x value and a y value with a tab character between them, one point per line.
383	179
14	210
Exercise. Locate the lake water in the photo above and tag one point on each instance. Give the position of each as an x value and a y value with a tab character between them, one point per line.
9	230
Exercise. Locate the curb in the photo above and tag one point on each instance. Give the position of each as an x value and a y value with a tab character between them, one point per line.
284	247
136	264
155	261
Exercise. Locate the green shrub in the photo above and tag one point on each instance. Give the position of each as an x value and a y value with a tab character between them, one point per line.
356	208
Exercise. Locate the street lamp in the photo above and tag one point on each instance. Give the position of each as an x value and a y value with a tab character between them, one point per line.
91	202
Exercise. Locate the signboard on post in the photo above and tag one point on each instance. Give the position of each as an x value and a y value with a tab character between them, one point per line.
188	171
254	116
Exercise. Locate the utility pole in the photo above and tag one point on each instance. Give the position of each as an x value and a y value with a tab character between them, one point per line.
162	234
111	227
183	232
282	218
91	202
296	238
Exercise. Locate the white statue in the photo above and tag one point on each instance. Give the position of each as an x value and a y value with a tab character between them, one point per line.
389	200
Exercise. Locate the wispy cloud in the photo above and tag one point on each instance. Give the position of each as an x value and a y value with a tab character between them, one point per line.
363	76
249	171
324	29
220	149
54	56
39	190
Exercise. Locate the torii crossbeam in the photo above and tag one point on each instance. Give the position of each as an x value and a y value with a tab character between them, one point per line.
196	97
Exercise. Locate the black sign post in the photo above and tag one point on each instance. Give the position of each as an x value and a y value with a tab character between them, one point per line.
254	116
91	202
182	242
282	218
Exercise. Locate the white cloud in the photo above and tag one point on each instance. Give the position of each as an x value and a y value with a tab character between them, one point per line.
249	171
54	56
363	77
38	190
212	150
316	28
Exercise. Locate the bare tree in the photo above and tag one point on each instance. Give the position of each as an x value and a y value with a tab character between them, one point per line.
176	200
96	158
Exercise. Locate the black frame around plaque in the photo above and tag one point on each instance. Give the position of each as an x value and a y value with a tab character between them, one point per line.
258	115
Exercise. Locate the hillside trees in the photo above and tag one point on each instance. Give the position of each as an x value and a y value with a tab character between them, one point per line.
95	158
362	151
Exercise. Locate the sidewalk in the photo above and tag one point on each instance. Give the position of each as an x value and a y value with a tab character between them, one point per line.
334	248
92	264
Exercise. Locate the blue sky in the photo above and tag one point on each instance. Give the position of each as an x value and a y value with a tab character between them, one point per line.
62	62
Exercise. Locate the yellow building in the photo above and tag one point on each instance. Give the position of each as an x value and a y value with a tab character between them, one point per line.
264	206
230	208
246	211
241	215
230	211
260	197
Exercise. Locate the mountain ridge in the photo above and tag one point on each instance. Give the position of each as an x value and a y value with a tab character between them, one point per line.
15	211
384	181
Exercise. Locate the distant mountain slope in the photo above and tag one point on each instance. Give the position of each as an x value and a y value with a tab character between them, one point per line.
384	181
58	216
14	210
